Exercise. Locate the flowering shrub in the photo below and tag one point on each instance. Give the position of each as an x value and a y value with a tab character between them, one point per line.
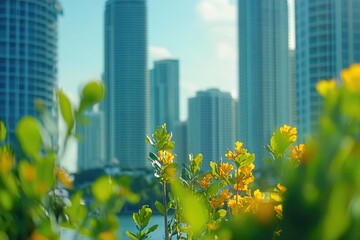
315	194
34	188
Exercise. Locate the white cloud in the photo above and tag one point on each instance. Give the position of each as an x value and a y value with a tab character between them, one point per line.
217	10
226	51
156	53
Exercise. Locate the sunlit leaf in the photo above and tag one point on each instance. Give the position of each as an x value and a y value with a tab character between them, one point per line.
194	210
77	211
151	229
29	135
92	93
102	188
2	131
66	110
159	207
131	235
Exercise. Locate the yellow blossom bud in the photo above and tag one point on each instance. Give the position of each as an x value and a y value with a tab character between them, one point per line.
351	78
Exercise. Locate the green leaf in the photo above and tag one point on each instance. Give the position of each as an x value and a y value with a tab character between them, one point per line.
77	211
66	110
222	213
102	188
194	210
131	235
151	229
337	219
2	131
92	93
29	135
153	156
160	207
6	202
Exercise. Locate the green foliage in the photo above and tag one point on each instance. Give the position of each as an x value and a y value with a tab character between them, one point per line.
141	220
29	135
32	204
2	132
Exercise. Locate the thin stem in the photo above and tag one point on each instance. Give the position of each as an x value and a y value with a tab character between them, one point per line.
165	211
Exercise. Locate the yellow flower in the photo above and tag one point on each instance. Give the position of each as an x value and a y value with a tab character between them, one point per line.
108	235
205	181
238	147
7	160
281	187
29	172
276	196
279	211
225	194
230	155
64	178
235	204
37	236
225	169
324	87
297	153
351	78
238	151
166	157
290	131
258	195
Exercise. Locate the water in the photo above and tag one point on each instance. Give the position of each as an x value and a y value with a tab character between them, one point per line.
126	223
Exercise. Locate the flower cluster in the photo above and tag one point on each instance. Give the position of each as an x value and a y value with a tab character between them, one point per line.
290	132
297	154
238	151
165	157
351	78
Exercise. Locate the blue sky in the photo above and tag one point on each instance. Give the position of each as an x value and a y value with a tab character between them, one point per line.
200	33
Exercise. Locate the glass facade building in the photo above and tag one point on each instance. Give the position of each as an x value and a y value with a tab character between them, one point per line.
263	72
327	40
126	106
211	125
28	58
164	82
91	145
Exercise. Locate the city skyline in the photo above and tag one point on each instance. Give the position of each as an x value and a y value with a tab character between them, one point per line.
204	41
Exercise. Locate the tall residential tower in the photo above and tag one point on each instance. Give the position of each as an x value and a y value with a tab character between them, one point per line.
28	58
327	40
165	93
211	125
126	106
263	71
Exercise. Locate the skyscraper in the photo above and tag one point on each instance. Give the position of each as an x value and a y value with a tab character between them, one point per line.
292	87
28	58
211	125
165	93
125	76
91	147
263	71
327	40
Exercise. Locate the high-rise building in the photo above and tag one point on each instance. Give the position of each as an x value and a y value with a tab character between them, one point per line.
211	125
126	106
292	87
164	93
180	138
91	146
327	40
263	71
28	58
